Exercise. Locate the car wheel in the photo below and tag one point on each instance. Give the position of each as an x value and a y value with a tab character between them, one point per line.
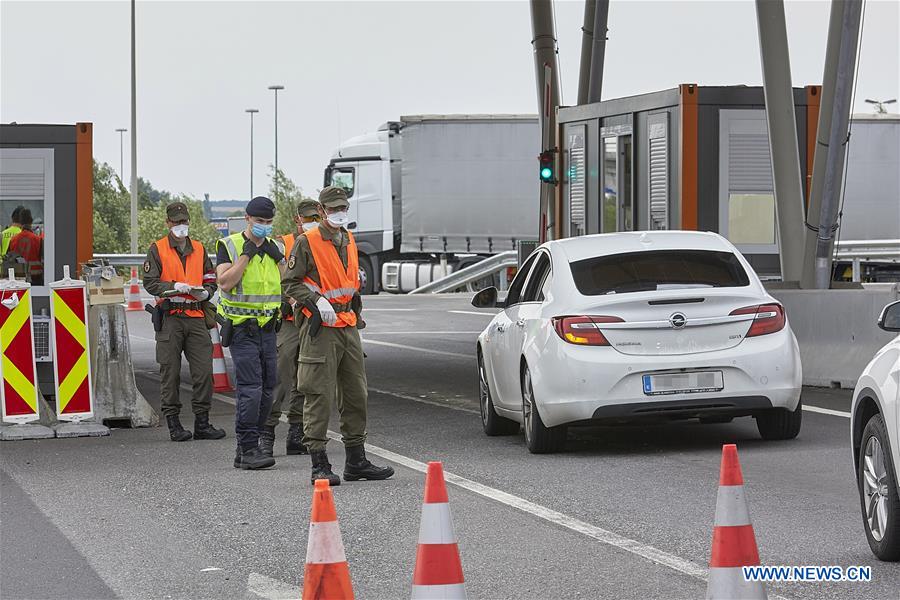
492	423
878	492
539	439
366	275
780	423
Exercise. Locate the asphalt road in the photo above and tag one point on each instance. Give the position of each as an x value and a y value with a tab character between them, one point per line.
625	512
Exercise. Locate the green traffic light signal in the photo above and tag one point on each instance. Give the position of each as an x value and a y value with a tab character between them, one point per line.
546	174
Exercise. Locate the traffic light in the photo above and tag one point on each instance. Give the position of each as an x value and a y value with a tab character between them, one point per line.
547	172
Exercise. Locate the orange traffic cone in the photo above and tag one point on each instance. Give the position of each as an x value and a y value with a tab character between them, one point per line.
221	382
734	543
134	292
327	574
438	572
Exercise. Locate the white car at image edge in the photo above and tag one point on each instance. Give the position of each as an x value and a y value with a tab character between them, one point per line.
874	432
621	327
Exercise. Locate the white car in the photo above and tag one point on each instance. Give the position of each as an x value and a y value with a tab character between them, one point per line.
874	429
626	326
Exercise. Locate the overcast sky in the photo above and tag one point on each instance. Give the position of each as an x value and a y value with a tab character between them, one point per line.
350	66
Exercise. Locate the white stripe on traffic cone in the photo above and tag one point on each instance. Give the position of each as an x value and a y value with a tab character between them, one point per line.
221	381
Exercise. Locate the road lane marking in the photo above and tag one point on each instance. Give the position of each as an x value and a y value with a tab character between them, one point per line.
603	536
425	401
471	312
270	589
421	332
137	337
542	512
416	349
826	411
368	310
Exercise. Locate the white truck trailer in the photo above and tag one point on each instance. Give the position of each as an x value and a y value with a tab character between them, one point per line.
433	189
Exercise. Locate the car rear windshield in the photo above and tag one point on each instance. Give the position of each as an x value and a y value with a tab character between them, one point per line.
658	270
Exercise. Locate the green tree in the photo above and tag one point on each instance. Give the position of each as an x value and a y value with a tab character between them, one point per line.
112	212
286	195
148	196
152	224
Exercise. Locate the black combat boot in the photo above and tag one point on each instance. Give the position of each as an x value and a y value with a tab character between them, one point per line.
204	430
177	433
295	439
237	457
267	441
253	458
321	468
358	466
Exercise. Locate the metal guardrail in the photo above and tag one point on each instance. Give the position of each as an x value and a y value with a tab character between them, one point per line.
470	274
868	250
131	260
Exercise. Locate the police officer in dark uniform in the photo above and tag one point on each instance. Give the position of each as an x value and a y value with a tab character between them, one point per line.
179	273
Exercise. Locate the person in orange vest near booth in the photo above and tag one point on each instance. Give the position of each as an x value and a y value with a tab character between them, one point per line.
288	342
30	247
322	276
180	274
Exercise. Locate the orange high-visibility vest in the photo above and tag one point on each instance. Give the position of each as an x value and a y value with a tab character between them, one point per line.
190	273
288	241
337	284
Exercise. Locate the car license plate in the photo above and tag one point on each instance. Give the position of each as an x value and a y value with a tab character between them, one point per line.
693	382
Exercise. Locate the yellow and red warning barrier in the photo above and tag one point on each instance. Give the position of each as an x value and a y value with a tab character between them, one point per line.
19	390
71	352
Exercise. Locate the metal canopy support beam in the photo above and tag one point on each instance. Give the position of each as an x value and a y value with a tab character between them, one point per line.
134	175
601	16
782	127
587	48
823	131
546	69
837	141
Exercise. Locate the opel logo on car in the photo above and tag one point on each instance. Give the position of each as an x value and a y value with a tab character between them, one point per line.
677	320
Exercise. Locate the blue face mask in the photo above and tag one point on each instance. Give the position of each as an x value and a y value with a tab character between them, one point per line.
261	231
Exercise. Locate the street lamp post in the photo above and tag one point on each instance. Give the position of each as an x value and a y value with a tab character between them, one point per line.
252	112
121	154
275	89
879	105
134	176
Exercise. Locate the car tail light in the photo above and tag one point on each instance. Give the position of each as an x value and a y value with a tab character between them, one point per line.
769	318
584	331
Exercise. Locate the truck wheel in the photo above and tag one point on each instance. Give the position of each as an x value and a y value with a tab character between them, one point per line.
366	275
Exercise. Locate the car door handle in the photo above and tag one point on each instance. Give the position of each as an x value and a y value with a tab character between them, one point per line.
520	323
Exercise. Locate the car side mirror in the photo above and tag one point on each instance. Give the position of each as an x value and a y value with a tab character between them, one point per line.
890	317
486	298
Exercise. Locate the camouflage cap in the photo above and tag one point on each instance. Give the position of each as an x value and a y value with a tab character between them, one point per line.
177	211
333	197
308	207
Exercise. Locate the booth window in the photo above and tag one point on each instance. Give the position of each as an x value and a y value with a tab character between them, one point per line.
26	191
575	178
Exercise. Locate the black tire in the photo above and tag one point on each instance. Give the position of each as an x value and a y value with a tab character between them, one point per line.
780	423
492	423
888	547
366	275
539	439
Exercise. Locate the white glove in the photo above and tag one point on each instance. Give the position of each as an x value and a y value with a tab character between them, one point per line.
200	294
182	288
328	315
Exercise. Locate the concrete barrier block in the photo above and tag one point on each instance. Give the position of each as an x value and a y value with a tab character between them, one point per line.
28	431
80	429
837	330
116	395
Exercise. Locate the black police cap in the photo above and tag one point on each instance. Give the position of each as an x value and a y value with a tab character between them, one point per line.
261	207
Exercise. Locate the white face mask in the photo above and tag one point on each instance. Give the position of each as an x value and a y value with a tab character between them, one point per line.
180	231
308	226
338	219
